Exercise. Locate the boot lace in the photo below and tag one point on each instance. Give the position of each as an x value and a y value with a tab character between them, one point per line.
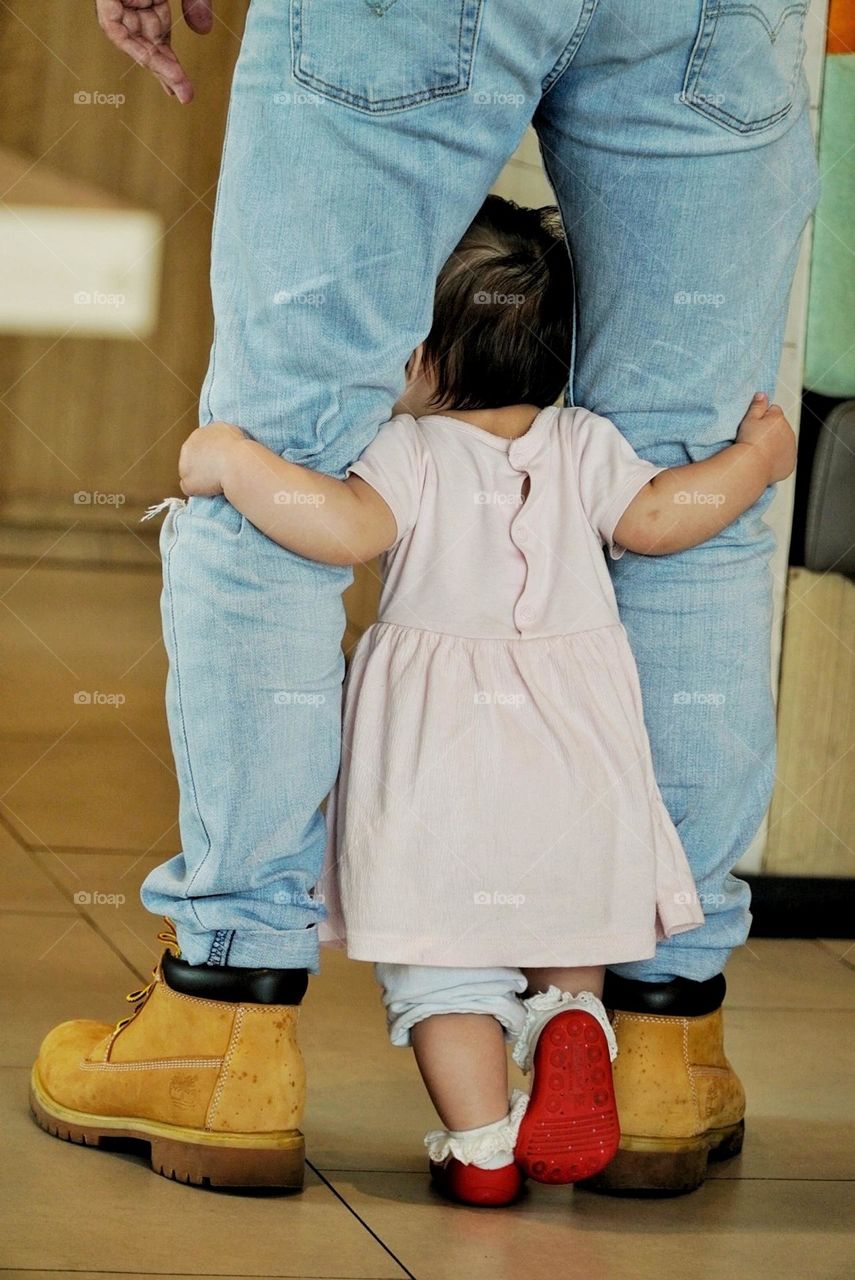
169	938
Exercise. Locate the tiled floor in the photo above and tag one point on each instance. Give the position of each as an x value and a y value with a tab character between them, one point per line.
88	805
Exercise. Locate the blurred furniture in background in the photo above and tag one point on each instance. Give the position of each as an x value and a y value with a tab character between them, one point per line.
81	412
56	232
830	347
74	260
812	816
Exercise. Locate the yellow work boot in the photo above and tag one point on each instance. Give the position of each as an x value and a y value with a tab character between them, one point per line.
206	1070
679	1100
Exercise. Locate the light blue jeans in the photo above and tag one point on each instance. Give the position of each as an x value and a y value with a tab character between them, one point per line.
413	992
361	140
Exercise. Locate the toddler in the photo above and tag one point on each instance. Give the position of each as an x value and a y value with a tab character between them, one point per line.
497	836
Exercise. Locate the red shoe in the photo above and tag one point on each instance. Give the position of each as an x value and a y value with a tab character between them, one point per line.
467	1184
570	1129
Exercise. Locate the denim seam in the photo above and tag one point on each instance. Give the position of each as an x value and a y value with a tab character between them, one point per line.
732	122
389	105
569	51
179	700
220	947
693	73
181	709
237	1027
214	225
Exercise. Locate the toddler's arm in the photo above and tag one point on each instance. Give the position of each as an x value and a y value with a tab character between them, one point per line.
684	506
312	514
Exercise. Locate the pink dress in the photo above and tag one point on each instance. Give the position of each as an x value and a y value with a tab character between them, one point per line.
496	803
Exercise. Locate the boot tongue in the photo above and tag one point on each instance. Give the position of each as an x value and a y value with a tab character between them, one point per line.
234	986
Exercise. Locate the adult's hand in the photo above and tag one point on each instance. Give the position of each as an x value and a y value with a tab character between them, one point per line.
141	28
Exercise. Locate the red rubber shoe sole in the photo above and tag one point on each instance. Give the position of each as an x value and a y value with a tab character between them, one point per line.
570	1129
488	1188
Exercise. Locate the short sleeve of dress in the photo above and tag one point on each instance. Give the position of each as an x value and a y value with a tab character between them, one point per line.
609	473
394	465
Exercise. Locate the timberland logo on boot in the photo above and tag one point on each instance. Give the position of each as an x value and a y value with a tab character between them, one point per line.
182	1091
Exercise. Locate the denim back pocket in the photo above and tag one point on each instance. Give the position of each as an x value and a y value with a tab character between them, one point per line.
384	55
745	62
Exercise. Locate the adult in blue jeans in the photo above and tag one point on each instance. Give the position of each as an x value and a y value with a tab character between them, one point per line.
361	141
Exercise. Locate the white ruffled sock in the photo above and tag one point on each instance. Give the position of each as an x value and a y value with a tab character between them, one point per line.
543	1006
489	1147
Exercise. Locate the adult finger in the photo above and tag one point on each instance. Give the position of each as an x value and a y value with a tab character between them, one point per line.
199	15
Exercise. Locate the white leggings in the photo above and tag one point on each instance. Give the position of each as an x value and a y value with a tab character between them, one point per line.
412	992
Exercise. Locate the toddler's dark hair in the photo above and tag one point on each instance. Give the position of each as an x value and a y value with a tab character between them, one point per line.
502	328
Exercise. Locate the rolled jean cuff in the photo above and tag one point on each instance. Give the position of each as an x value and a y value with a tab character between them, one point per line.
415	992
505	1009
252	948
